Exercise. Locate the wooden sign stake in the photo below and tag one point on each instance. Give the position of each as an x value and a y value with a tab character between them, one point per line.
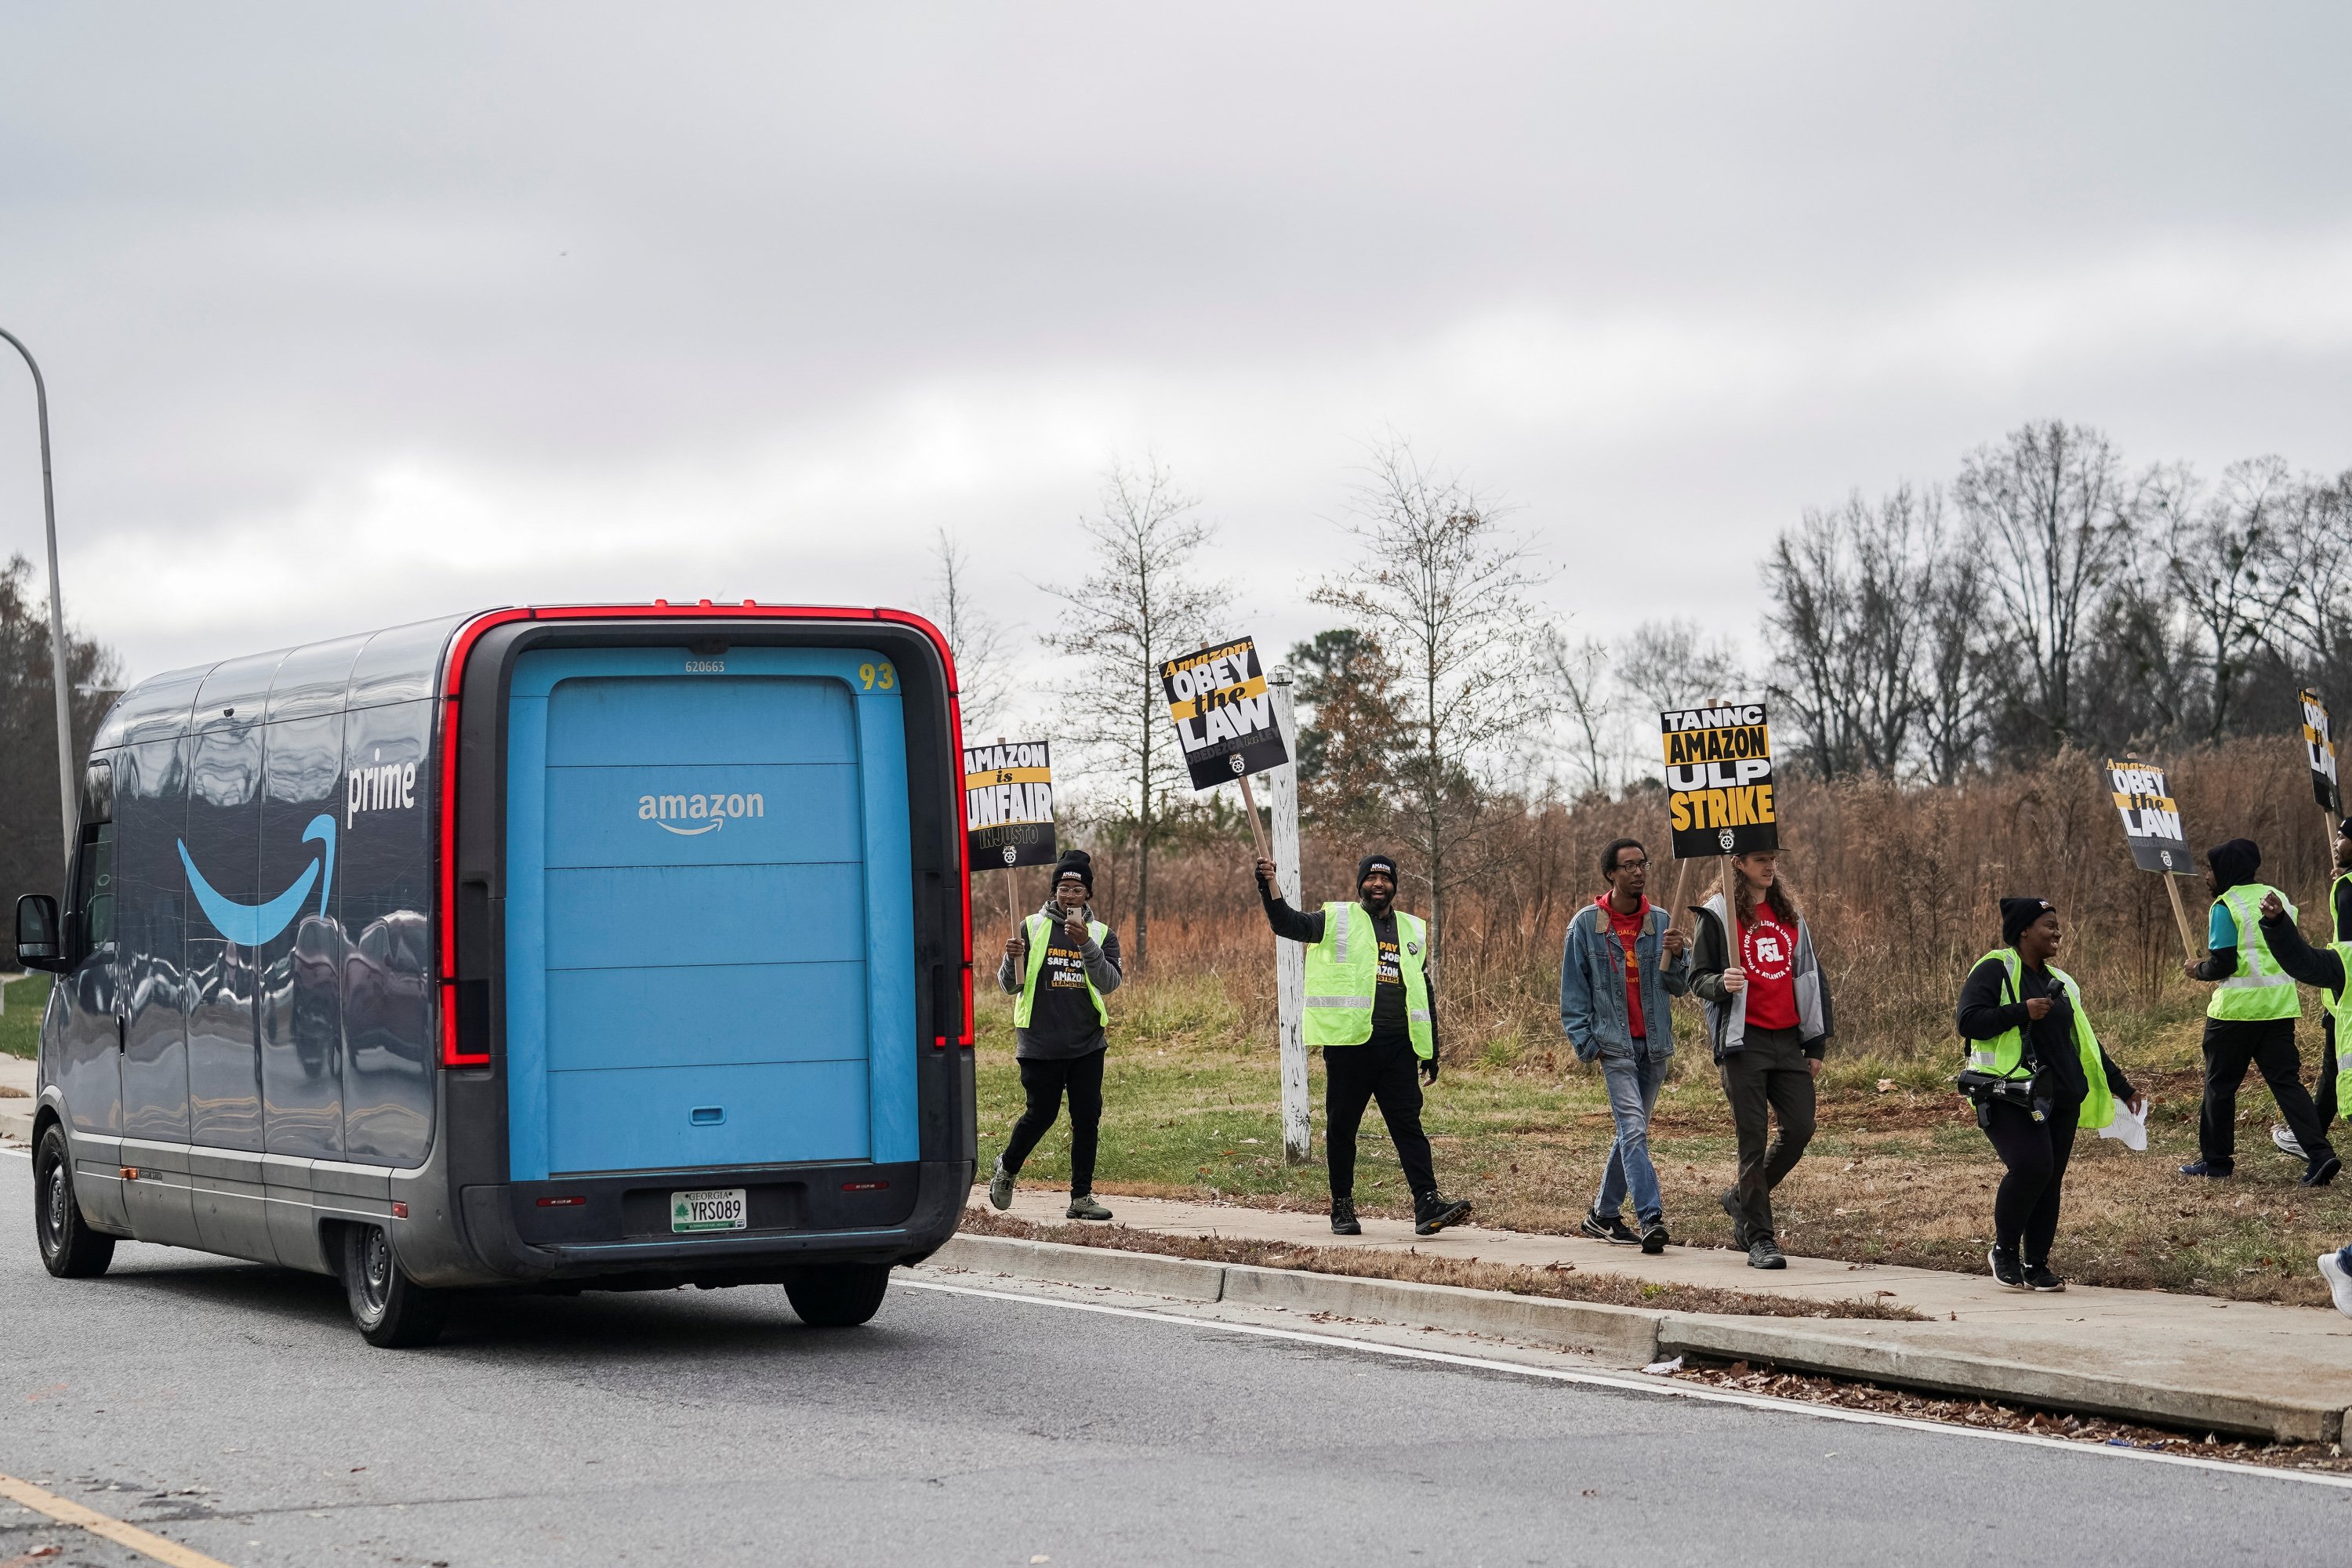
2180	917
1257	828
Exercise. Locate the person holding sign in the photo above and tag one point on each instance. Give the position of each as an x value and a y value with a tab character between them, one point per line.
2037	1075
2326	968
1767	1018
1060	963
2250	1022
2339	919
1370	1008
1622	961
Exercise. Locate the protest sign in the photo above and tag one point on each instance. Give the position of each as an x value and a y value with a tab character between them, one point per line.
2319	751
2152	828
1223	716
1719	780
1008	804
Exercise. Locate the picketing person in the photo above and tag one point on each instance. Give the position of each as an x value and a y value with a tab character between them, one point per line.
2250	1021
2339	921
1060	964
2325	969
1622	961
1768	1020
2040	1077
1371	1009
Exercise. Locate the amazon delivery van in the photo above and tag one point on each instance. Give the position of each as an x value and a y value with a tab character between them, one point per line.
611	947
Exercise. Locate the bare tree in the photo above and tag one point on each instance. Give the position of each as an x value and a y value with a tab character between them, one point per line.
1847	588
2052	514
1582	689
1952	652
2314	628
1445	589
1671	664
2232	558
1141	604
973	635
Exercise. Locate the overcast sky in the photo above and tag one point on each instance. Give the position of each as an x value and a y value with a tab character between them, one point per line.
355	315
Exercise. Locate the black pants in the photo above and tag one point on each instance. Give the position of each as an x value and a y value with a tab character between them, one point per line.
2325	1098
1044	1083
2025	1209
1768	1073
2267	1045
1383	1069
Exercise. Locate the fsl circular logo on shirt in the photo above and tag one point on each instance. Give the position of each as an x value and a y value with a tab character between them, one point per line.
1767	952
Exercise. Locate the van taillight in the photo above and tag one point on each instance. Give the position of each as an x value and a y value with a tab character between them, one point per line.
965	1039
463	1039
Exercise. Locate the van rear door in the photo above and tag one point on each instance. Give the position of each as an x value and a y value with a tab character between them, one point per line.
710	927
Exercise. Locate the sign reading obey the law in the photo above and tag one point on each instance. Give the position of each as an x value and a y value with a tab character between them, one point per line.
1719	780
2319	750
1008	804
1224	713
2151	820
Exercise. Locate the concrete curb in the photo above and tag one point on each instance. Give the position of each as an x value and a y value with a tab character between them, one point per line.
16	1120
1881	1351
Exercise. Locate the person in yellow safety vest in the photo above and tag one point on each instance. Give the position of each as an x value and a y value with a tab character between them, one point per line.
2250	1022
2024	1020
1370	1009
1059	964
2325	968
2339	921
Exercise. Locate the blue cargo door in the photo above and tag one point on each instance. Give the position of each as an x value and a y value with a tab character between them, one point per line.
710	923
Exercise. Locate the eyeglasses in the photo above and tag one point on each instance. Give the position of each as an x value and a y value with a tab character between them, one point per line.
1625	864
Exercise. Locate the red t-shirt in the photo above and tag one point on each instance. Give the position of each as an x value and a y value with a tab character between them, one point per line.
1767	952
1629	931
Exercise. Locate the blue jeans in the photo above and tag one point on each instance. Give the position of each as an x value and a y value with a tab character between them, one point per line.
2344	1259
1632	1080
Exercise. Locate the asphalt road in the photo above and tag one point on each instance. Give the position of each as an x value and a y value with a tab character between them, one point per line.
231	1407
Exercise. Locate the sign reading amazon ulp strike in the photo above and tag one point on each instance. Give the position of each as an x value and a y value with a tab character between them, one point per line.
1719	780
1008	804
2151	819
2319	750
1223	714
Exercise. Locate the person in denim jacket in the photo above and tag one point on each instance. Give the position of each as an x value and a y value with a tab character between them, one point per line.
1623	962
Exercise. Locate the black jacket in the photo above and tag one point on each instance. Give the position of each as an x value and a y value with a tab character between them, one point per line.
1987	1011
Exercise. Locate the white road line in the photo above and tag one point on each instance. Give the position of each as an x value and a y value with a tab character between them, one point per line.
1636	1384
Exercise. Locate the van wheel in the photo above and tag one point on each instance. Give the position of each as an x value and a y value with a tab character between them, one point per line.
840	1297
69	1248
390	1310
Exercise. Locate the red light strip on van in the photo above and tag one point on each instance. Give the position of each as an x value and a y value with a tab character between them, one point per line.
452	690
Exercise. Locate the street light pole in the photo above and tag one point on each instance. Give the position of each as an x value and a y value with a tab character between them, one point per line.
66	792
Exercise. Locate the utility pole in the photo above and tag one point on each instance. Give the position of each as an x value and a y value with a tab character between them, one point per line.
1289	957
66	791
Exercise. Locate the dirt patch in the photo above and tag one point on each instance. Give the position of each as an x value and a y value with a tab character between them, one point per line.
1564	1282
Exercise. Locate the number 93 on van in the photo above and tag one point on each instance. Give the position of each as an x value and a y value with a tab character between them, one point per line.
722	1208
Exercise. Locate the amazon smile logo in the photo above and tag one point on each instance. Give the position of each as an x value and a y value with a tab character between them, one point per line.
250	925
692	815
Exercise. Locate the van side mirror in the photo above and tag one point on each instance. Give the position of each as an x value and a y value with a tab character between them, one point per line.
38	945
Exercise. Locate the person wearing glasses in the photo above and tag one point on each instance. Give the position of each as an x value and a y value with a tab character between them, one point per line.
1622	961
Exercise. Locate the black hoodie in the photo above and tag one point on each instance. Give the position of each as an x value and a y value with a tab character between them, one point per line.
2233	864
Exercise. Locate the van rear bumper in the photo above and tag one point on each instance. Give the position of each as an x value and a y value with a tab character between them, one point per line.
612	1232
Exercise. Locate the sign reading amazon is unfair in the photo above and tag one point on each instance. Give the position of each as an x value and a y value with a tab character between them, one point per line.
1224	713
1719	780
1008	804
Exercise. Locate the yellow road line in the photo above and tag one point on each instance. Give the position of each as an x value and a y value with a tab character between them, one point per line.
69	1512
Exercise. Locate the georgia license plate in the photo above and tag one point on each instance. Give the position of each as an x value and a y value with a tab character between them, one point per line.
722	1209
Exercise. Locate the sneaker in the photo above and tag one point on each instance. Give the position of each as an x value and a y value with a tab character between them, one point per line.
1611	1229
2340	1283
2005	1270
1000	1185
1765	1253
2286	1141
2322	1172
2038	1276
1083	1206
2207	1168
1343	1218
1432	1213
1654	1237
1730	1201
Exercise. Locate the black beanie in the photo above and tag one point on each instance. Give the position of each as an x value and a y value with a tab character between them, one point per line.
1075	863
2016	914
2234	863
1375	861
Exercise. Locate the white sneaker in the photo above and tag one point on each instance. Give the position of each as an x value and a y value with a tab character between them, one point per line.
2286	1142
2338	1282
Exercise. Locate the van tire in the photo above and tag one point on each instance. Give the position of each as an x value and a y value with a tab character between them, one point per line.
69	1248
841	1296
391	1311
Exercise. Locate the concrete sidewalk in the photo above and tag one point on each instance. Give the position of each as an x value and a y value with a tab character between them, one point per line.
2188	1360
16	1115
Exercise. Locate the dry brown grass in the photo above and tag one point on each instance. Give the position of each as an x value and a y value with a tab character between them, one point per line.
1565	1282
